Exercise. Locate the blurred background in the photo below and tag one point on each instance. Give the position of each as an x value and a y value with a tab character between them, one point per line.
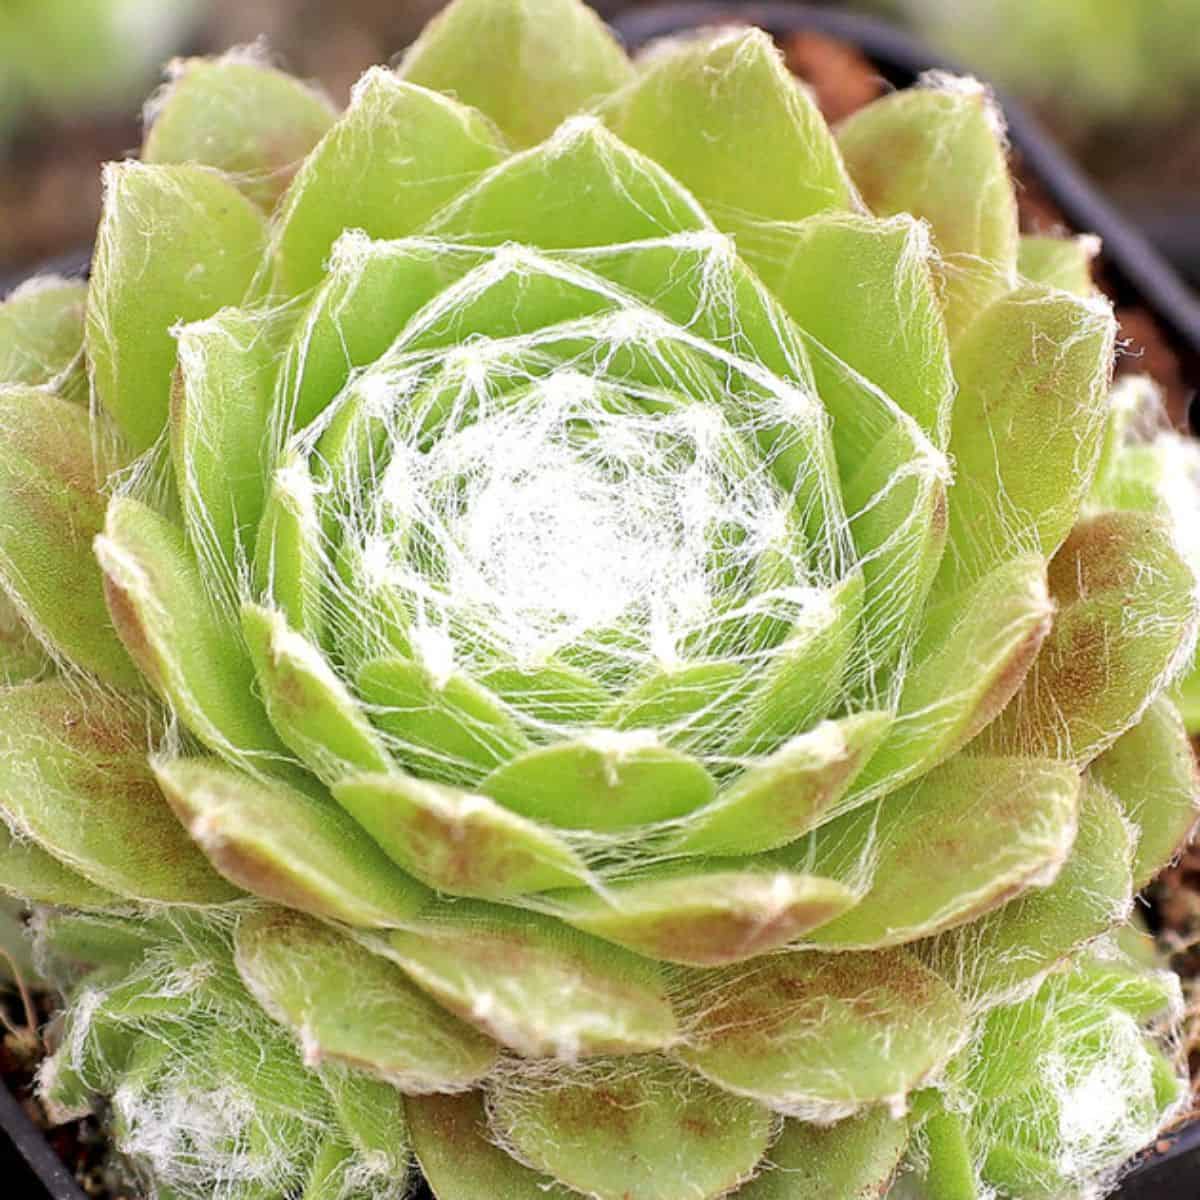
1118	81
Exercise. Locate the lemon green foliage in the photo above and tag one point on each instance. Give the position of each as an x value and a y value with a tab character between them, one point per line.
572	630
1098	60
74	57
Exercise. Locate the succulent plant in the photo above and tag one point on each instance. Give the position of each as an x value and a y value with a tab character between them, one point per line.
575	642
73	56
1097	60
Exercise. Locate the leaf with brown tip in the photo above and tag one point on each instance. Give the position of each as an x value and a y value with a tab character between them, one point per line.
1127	610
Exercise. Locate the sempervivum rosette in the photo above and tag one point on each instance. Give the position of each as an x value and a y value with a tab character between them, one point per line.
569	644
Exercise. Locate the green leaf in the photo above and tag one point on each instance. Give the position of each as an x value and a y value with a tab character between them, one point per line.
74	778
370	292
22	656
630	1127
992	959
289	559
245	118
583	187
450	728
526	64
1059	262
460	1159
950	1170
286	846
1029	420
533	984
50	509
806	673
954	845
456	841
396	156
348	1006
220	422
175	244
1127	606
189	650
972	655
1066	1087
29	873
855	1159
41	336
100	939
329	1176
308	704
605	781
721	911
371	1114
776	800
823	1035
1151	771
937	152
865	290
722	113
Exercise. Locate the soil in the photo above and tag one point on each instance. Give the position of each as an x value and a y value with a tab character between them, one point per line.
49	192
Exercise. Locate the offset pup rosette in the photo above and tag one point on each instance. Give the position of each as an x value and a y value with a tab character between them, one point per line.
574	649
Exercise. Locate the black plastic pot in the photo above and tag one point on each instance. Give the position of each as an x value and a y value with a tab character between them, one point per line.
1140	276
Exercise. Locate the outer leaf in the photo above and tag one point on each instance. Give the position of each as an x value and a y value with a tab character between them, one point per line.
822	1035
372	1118
937	152
347	1005
74	778
393	159
460	1159
175	243
240	115
527	64
1033	373
188	650
29	873
50	508
535	985
1152	773
286	846
1038	1061
22	657
41	335
1059	262
852	1160
971	658
956	844
721	112
1127	609
994	958
631	1127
